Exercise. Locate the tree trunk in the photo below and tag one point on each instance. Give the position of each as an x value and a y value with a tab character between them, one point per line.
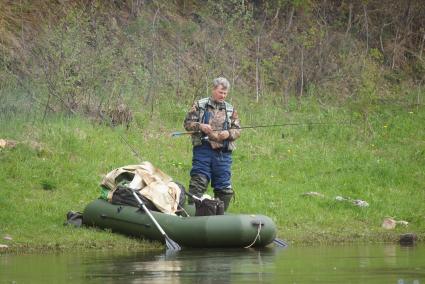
380	38
394	49
257	75
291	15
153	86
350	15
366	26
233	72
302	72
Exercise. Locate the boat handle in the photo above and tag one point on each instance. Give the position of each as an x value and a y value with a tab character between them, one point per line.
257	223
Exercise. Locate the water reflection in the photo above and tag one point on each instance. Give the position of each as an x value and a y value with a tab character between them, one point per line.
348	264
338	264
188	266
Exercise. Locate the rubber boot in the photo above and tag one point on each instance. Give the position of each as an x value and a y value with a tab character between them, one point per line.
197	186
224	195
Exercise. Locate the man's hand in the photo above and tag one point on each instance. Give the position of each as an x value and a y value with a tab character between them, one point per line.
206	128
223	135
218	136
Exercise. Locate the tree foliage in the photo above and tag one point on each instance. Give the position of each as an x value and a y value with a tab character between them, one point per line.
88	56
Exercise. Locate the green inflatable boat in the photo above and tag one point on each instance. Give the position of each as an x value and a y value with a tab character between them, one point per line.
195	231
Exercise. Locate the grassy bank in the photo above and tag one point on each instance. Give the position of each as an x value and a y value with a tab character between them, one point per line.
57	166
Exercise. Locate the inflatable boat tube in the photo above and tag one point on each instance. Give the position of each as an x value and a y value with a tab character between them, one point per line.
228	230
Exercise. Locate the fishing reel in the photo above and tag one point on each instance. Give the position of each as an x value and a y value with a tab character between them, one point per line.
204	138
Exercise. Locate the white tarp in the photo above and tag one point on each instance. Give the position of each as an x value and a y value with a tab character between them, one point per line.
151	182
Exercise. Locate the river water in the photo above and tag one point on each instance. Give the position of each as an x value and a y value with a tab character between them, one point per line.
334	264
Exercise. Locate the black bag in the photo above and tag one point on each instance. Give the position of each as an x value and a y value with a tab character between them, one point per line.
209	207
124	196
74	219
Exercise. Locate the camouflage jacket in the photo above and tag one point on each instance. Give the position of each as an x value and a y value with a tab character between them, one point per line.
221	116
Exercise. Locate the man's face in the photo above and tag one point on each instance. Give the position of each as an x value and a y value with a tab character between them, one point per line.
219	94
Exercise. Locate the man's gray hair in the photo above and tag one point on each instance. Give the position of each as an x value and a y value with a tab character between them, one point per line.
221	81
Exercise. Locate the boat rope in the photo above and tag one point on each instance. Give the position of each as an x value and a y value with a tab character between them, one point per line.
257	236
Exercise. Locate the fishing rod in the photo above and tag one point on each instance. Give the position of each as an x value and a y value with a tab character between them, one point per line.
180	133
135	153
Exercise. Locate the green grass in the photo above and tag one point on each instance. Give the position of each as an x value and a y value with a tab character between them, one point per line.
58	164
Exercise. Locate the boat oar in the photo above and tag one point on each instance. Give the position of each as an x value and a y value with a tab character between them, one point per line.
170	244
193	196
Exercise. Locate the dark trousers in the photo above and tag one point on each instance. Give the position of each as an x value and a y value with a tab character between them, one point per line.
214	164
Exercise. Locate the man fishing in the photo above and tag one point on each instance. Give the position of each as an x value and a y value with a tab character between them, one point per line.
216	126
